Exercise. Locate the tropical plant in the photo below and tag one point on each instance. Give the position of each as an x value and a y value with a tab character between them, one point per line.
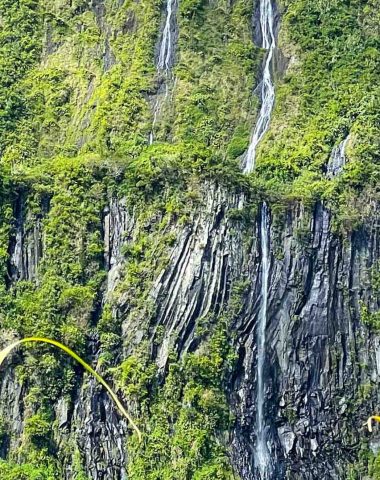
7	350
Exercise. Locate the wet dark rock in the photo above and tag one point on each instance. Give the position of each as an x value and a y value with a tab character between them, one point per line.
26	248
318	351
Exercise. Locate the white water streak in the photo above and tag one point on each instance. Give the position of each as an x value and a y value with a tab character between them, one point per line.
262	457
267	87
165	59
166	48
337	159
267	24
155	113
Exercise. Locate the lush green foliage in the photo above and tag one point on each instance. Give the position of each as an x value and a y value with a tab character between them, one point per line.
20	46
330	90
9	471
368	466
77	85
182	416
371	319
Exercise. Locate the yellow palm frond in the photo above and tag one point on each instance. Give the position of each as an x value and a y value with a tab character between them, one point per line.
6	351
375	418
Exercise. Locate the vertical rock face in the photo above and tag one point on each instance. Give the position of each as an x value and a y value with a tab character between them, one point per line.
11	393
26	249
80	112
198	279
315	349
118	228
95	428
317	353
315	344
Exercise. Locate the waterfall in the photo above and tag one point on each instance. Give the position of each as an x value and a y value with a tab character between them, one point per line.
156	109
262	457
267	87
337	159
165	58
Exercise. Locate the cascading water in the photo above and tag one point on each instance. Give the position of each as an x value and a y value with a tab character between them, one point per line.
165	58
267	23
337	159
262	457
156	109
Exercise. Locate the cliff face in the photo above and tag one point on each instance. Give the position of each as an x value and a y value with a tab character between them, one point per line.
317	350
236	315
321	363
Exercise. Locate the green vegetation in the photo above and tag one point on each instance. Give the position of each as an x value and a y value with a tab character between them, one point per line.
9	471
182	416
329	91
368	466
20	47
77	84
38	427
370	319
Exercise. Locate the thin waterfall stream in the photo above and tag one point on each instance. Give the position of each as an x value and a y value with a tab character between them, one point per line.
267	25
267	96
262	457
165	59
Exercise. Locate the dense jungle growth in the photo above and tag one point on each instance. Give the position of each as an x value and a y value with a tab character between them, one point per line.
144	256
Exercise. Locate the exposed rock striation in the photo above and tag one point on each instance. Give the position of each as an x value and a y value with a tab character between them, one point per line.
26	248
315	351
318	354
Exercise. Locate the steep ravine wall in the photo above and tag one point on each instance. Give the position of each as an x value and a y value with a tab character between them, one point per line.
113	241
319	354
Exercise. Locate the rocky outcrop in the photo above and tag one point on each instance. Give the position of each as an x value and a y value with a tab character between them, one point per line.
96	433
337	159
318	354
118	227
11	413
316	349
197	281
26	248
